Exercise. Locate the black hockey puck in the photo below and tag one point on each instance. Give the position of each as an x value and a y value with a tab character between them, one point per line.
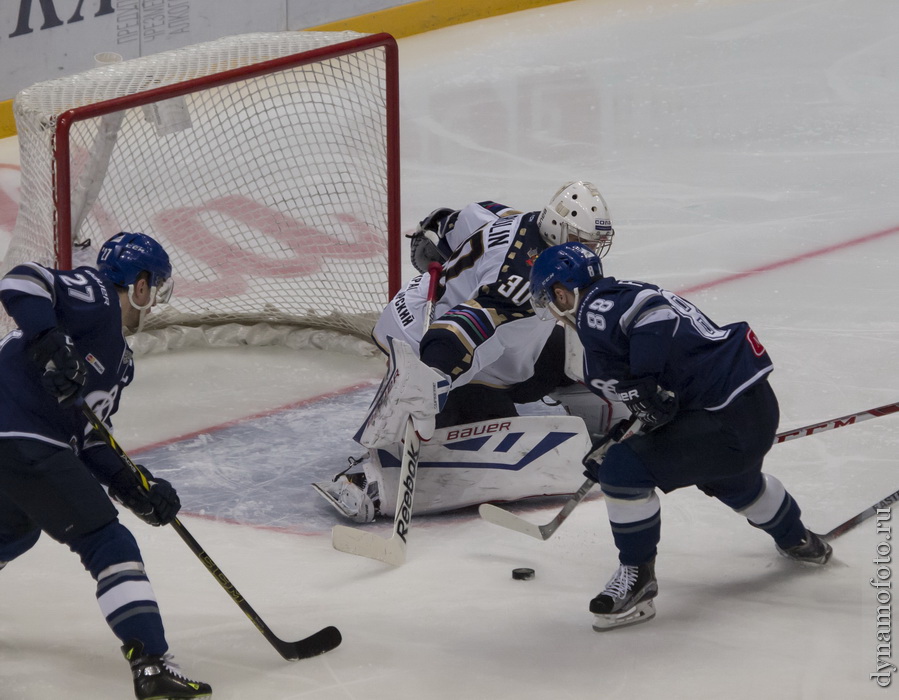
522	574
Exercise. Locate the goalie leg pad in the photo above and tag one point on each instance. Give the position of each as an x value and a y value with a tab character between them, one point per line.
598	413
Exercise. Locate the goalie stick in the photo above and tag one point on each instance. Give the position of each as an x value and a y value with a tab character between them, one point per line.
392	550
322	641
510	521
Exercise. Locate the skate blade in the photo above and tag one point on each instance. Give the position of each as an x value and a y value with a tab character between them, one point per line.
811	562
641	612
321	489
357	517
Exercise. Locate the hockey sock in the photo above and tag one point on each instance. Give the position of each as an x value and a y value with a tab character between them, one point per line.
632	504
776	512
636	520
124	594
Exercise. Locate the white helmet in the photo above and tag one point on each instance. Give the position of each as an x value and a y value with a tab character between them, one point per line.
577	212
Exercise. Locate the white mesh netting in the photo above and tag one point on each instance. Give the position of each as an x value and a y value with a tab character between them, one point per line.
270	192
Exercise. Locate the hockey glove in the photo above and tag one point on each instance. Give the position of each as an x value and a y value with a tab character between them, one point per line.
64	372
649	402
409	390
601	445
157	506
427	243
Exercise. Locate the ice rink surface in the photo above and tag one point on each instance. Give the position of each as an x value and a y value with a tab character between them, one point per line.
749	152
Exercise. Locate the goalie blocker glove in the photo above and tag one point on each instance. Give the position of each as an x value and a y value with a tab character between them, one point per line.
158	505
410	390
64	372
647	401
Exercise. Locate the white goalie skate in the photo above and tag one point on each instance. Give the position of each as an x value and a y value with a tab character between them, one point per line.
352	496
627	598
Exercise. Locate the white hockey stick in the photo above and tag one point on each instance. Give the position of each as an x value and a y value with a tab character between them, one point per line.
503	518
363	542
510	521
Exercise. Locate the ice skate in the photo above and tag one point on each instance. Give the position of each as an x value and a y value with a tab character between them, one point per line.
352	495
159	678
627	598
811	550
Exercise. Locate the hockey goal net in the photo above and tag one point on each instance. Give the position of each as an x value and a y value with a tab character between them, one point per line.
266	164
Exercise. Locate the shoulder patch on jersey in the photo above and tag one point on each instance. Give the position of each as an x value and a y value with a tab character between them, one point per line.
95	363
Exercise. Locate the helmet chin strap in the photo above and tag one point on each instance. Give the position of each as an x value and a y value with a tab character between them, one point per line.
141	308
567	317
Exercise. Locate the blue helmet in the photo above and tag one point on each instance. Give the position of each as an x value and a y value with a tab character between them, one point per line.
573	265
124	256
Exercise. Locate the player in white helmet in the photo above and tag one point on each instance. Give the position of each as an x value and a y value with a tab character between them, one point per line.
487	345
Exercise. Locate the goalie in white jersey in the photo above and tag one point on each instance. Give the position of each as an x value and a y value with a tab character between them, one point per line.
487	346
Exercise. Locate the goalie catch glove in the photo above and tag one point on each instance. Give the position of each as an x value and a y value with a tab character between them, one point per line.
647	401
410	390
157	505
428	241
64	372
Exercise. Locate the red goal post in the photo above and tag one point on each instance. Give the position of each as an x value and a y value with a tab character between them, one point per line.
267	165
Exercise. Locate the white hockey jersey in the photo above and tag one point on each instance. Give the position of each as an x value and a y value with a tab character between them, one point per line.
484	328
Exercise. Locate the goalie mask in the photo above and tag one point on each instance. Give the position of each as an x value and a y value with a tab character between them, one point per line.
126	255
577	212
572	265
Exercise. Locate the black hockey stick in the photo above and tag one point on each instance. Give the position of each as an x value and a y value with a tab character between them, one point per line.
861	517
504	518
324	640
392	550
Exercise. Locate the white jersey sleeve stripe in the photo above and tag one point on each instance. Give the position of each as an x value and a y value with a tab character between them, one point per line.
627	318
26	285
655	315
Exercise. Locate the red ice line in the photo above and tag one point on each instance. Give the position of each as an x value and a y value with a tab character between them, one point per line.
705	285
254	416
699	287
792	261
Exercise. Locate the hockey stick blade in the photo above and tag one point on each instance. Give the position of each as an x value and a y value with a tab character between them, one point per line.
869	512
510	521
313	645
367	544
316	644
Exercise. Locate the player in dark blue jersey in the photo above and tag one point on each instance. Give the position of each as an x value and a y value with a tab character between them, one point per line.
701	393
69	347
